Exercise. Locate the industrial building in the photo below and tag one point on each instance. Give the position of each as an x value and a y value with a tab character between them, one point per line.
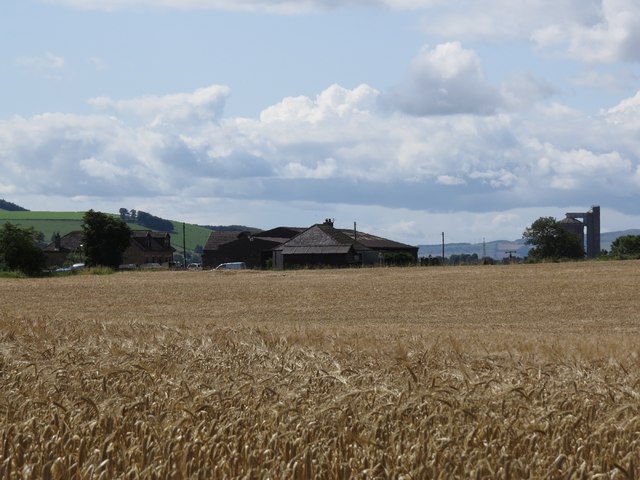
587	226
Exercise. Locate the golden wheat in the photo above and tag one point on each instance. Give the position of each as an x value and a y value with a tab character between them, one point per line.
524	371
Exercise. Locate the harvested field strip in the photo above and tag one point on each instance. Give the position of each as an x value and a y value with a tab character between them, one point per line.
415	373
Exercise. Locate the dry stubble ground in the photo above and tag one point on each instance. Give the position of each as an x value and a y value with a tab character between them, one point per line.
524	371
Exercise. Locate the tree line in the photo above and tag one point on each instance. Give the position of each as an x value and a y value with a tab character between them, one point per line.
11	207
104	240
146	220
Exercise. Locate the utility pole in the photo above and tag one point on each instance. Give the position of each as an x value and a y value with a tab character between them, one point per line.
184	245
442	248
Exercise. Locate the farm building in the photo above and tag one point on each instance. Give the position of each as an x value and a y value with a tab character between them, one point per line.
64	249
146	247
255	250
149	247
391	250
324	245
318	245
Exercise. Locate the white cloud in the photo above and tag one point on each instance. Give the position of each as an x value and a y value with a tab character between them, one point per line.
524	90
334	149
334	102
204	104
594	31
612	36
49	65
82	155
447	79
467	19
322	170
549	36
450	180
613	39
100	169
626	106
584	163
580	169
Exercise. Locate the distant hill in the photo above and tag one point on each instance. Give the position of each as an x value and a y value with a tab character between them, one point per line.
606	239
11	207
500	249
50	223
189	237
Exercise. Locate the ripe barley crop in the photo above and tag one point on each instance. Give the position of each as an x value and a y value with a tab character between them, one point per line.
483	372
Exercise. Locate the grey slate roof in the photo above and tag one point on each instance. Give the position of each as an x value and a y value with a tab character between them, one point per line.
317	239
150	241
374	242
316	250
321	238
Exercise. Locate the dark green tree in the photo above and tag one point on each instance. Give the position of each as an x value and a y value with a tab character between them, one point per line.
551	241
19	250
11	207
626	246
153	222
399	259
105	238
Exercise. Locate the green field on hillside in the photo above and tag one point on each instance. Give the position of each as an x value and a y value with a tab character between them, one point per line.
50	223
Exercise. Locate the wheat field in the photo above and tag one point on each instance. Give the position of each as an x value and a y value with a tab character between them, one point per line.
522	371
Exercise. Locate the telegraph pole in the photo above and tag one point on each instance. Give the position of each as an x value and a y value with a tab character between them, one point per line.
442	248
184	245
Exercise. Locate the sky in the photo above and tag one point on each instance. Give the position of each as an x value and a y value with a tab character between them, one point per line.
408	117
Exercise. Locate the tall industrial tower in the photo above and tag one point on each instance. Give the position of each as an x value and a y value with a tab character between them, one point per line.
577	222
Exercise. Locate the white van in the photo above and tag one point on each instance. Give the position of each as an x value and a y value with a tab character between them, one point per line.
232	266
